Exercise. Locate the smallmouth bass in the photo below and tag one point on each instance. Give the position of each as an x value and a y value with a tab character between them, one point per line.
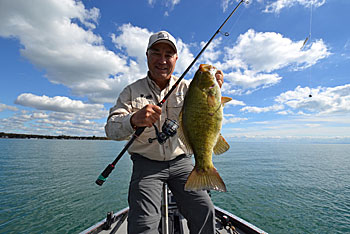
200	125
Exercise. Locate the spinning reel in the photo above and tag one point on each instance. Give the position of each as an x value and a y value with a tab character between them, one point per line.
168	130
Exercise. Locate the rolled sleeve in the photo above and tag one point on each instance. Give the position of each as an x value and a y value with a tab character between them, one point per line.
118	125
119	128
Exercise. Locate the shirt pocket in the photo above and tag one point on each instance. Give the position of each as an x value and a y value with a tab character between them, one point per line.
175	105
139	103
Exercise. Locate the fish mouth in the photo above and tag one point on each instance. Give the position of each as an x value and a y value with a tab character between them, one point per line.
208	68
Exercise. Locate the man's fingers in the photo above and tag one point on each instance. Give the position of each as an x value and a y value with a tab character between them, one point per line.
146	116
219	75
157	109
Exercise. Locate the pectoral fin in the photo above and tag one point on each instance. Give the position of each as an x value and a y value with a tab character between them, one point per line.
221	146
211	100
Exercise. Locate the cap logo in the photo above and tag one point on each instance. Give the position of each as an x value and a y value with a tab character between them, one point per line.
163	36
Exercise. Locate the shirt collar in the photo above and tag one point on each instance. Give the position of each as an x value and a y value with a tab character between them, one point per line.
156	88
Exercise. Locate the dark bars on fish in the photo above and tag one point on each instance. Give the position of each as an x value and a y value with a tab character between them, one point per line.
103	176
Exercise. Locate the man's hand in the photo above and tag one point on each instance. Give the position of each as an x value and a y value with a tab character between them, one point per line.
145	117
219	75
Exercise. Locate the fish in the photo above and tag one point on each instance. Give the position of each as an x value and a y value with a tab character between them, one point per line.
200	123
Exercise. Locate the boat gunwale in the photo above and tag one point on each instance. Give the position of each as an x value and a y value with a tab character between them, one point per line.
100	224
240	221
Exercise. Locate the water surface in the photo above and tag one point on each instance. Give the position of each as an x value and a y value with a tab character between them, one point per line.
48	186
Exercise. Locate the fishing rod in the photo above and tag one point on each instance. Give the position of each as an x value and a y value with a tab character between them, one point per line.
104	175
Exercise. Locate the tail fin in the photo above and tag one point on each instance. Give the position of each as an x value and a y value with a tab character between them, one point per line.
205	180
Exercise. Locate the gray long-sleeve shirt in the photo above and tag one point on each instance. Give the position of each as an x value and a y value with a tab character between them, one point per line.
133	98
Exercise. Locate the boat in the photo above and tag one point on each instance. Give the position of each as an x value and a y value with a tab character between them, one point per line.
172	222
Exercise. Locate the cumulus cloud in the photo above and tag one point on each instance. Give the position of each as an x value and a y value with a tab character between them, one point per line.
134	41
324	100
69	53
253	61
277	5
137	50
247	81
185	56
60	104
269	51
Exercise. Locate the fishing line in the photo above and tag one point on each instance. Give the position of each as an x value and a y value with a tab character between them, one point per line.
310	28
228	33
309	38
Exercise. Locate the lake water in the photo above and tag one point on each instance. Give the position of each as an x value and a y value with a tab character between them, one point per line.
48	186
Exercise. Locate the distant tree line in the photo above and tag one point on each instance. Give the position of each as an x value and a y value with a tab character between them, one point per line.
63	137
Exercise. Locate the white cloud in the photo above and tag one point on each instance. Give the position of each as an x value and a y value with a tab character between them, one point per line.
169	4
253	109
4	107
324	100
69	54
238	82
234	102
269	51
185	57
277	5
212	53
60	104
55	123
74	56
136	48
224	4
252	63
40	115
230	118
301	128
134	41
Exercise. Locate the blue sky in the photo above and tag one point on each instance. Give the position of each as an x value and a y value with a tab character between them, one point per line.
64	62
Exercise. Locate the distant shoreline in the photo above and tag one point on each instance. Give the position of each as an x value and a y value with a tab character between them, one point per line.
60	137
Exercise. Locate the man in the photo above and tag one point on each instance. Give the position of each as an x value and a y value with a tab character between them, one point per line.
154	163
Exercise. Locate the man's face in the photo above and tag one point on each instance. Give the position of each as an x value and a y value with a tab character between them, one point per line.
161	59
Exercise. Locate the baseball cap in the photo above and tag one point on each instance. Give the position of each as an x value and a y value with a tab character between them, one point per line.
162	36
